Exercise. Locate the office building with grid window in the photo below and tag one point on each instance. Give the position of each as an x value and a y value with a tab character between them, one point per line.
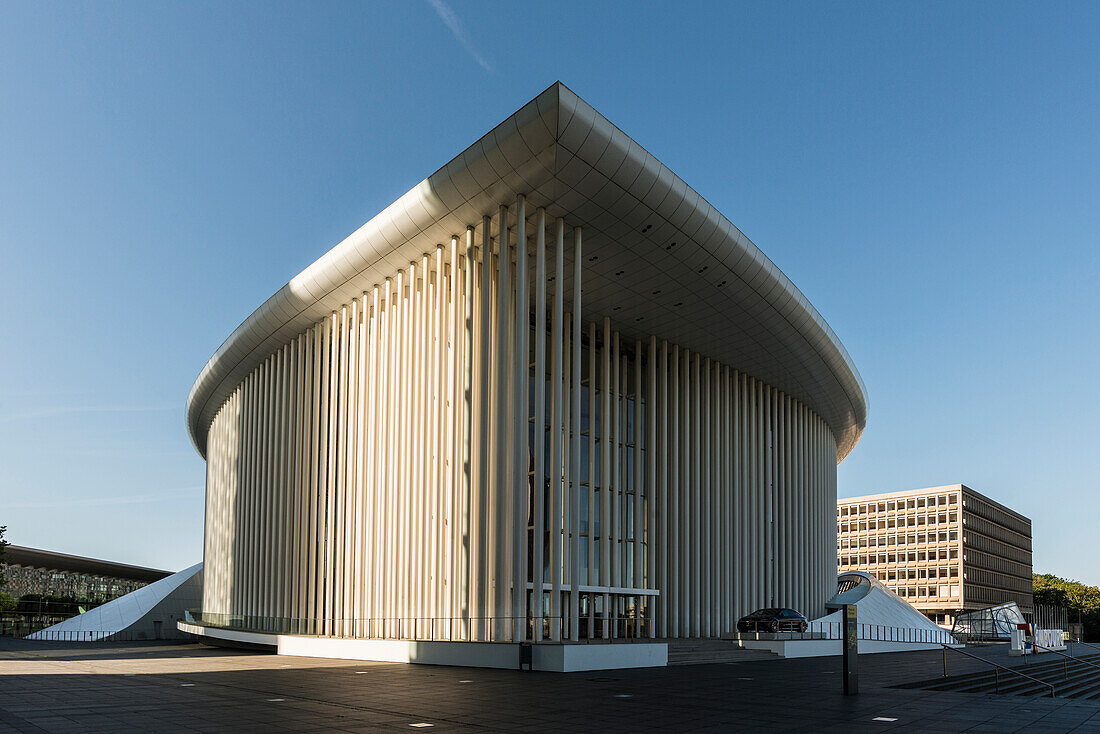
942	549
549	394
48	573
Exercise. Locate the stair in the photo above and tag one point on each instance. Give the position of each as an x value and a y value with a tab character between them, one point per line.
1082	681
702	651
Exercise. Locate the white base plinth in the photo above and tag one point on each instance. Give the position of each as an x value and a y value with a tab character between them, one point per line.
823	648
560	658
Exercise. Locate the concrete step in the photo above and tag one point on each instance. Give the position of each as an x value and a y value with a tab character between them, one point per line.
704	651
1082	681
1081	684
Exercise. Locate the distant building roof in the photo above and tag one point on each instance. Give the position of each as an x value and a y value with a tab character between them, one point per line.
17	555
931	490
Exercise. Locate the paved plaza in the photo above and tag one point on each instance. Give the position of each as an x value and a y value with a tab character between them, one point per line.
64	687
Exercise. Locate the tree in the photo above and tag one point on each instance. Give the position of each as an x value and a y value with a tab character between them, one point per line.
1073	595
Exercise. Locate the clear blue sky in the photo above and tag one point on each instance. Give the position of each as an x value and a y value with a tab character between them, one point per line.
928	175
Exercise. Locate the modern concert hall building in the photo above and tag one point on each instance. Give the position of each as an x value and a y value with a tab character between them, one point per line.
549	394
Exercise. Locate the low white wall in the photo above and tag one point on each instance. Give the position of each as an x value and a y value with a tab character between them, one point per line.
824	648
473	654
553	658
252	638
572	658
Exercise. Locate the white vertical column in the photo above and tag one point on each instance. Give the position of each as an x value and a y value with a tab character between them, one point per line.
417	409
276	547
539	429
372	440
801	592
332	414
652	546
575	453
605	459
706	509
615	451
637	567
769	496
468	544
790	540
755	540
663	506
566	445
485	477
312	612
593	577
519	431
675	550
683	491
696	505
355	468
504	399
449	298
388	477
432	412
556	432
721	443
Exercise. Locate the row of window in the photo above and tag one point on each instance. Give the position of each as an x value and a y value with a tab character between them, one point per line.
896	522
996	515
978	541
1000	532
999	580
943	591
987	595
943	554
918	574
944	536
23	580
977	559
911	503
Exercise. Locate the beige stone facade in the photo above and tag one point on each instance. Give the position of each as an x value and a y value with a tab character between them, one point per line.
942	549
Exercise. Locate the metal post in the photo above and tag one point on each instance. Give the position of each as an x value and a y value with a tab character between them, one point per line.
851	651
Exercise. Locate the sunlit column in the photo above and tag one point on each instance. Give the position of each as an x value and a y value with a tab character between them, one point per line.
502	494
468	539
519	430
450	294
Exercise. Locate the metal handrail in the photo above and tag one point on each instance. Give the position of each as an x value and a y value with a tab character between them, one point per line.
1065	655
998	667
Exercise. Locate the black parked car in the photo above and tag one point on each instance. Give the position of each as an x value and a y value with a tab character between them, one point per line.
773	620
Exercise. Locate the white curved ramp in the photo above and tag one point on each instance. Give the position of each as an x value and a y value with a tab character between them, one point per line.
877	606
886	623
148	613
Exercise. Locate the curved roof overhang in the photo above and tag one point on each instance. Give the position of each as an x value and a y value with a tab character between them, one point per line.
659	260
